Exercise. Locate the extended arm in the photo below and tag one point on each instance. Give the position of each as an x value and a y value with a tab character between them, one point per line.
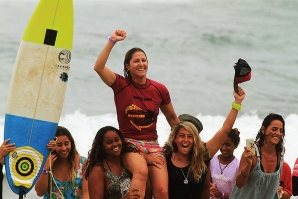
107	76
168	111
96	183
206	190
85	191
41	185
216	141
247	162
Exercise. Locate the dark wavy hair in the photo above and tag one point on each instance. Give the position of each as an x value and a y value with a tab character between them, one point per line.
96	154
127	58
260	138
62	131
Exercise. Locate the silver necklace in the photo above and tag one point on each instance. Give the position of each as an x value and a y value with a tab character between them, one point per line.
222	169
185	178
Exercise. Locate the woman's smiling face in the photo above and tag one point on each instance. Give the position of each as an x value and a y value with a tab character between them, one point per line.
63	146
184	141
274	132
112	144
138	66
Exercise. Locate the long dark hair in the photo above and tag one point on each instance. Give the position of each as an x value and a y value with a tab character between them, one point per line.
260	138
96	154
127	58
62	131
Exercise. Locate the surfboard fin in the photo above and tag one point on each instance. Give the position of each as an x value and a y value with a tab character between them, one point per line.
22	193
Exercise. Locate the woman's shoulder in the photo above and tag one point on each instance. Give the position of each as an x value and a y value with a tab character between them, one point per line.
80	159
214	159
286	166
236	161
99	171
156	83
168	156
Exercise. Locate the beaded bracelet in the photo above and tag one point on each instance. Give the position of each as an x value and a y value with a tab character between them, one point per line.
45	171
243	175
236	106
111	40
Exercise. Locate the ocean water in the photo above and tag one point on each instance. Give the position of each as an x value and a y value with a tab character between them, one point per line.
191	46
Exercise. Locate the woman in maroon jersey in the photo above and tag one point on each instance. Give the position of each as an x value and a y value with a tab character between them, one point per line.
138	100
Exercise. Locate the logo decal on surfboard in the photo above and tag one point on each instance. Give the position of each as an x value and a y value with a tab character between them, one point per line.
64	56
64	77
24	164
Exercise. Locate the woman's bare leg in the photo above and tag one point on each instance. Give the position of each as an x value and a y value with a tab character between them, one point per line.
148	194
159	181
137	165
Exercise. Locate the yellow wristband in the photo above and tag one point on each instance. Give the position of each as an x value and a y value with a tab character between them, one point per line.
236	106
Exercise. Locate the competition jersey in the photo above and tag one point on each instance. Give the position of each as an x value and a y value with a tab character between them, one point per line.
137	107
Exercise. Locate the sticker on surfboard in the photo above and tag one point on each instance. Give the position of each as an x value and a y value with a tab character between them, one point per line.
25	163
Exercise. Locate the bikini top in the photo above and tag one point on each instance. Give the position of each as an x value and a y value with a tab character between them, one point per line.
119	185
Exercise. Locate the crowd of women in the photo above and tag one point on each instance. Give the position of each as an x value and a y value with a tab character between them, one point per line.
129	163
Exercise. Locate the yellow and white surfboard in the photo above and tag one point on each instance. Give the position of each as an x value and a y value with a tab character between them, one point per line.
37	91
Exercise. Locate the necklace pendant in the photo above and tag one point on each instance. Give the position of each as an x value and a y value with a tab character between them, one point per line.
185	178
